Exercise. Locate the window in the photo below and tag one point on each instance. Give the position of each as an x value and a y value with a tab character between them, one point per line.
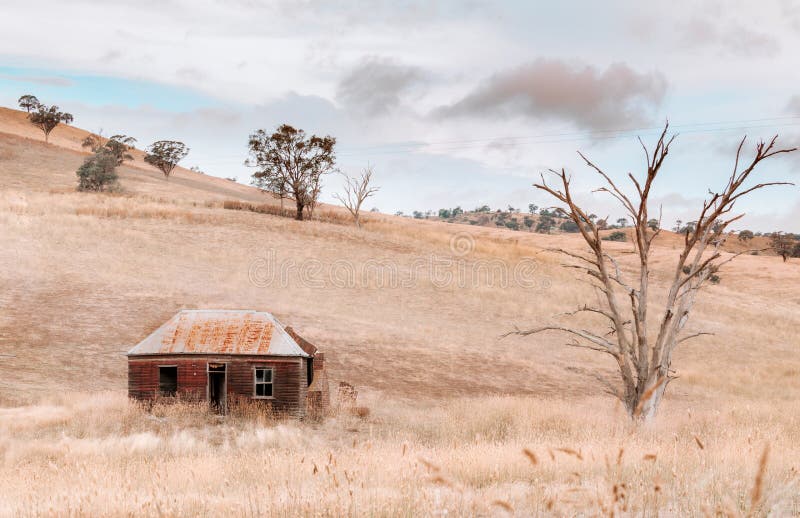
263	382
168	380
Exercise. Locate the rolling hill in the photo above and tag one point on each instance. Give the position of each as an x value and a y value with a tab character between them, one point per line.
85	276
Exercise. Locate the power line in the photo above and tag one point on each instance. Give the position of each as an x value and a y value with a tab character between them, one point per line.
577	138
588	134
548	138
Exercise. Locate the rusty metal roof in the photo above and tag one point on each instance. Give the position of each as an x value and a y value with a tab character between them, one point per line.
220	332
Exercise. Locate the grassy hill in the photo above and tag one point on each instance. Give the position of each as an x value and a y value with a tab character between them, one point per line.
27	163
84	277
102	271
528	223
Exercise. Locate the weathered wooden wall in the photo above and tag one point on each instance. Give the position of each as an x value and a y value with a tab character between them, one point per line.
290	383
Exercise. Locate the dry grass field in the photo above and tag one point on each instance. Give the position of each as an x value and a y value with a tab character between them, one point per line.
84	277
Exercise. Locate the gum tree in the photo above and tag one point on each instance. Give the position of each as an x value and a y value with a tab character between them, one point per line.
47	118
118	145
289	163
643	334
28	102
165	155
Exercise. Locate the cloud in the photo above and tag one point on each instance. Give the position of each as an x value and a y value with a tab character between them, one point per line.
376	86
793	105
730	38
39	80
616	97
190	74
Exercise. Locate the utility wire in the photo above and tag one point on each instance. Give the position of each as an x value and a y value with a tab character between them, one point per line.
548	138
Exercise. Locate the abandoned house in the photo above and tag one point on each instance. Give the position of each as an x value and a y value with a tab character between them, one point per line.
225	356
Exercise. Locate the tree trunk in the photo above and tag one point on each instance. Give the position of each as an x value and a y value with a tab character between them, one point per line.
299	216
645	405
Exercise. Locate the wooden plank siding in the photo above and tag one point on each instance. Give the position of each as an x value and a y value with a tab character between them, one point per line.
290	381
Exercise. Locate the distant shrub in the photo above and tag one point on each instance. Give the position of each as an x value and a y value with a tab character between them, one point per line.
527	221
99	172
545	224
616	236
513	225
570	227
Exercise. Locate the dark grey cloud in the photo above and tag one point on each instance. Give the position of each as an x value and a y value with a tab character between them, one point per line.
376	86
616	97
39	80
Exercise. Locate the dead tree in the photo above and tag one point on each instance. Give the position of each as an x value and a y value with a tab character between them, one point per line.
640	344
356	191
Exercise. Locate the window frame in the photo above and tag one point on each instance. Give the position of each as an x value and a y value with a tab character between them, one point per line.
270	383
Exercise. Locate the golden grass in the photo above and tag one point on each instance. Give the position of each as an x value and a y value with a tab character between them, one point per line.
103	455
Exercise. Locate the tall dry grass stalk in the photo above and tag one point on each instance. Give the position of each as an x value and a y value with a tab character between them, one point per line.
101	454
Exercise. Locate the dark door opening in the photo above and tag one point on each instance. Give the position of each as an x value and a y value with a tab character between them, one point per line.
168	380
216	386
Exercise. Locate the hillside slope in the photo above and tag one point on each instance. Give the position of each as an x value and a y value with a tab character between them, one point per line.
84	277
27	163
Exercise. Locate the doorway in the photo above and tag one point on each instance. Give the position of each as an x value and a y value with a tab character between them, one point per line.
217	393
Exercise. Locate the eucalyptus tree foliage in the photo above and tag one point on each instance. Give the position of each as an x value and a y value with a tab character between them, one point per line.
291	164
165	155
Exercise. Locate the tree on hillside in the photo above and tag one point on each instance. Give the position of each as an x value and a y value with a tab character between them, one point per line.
46	118
98	172
783	244
528	221
689	227
118	145
745	235
357	190
570	227
644	360
28	102
165	155
288	159
545	224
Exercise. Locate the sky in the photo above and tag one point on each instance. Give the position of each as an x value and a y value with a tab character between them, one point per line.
453	103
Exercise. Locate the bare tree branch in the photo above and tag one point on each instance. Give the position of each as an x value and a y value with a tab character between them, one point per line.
645	362
356	191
